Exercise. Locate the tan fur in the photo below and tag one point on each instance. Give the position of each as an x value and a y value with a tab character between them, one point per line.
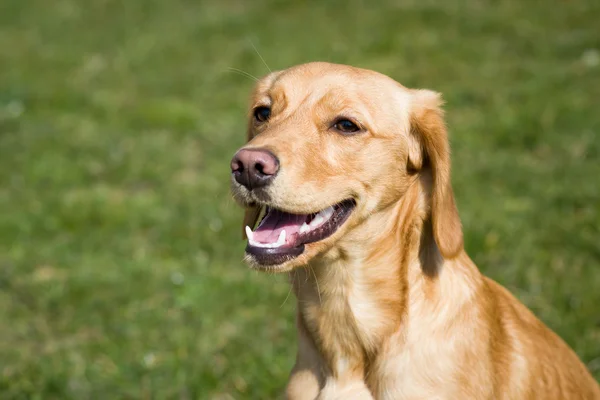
390	306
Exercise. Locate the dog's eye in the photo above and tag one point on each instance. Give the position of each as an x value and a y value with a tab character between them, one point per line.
261	114
346	126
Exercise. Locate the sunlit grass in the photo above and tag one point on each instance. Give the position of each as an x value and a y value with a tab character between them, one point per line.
120	250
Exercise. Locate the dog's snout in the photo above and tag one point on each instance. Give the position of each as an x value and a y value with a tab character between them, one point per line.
254	168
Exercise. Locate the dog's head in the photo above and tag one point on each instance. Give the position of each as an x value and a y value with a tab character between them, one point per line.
328	146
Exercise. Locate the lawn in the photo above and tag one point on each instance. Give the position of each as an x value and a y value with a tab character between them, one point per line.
120	250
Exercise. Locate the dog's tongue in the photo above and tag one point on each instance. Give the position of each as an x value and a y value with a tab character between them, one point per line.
276	221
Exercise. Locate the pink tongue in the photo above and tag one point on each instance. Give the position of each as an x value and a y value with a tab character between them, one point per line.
276	221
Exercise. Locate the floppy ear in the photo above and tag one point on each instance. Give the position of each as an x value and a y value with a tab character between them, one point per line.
430	146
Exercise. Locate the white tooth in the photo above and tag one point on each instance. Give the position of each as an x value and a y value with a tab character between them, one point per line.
322	216
304	228
258	244
316	221
327	213
249	233
281	240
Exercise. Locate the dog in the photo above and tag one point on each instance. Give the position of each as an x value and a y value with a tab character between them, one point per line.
348	172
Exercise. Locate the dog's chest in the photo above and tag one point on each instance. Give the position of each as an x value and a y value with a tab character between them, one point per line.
411	373
425	361
395	372
346	325
352	334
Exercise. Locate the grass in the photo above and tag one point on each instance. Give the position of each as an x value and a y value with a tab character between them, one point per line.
120	255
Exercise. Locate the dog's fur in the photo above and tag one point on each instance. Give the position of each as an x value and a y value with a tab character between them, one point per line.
390	306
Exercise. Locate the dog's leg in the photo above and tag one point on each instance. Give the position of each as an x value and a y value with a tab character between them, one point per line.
354	390
303	385
306	378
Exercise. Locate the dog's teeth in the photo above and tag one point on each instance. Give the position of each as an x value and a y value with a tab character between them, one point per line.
281	239
317	221
304	228
327	213
259	244
321	217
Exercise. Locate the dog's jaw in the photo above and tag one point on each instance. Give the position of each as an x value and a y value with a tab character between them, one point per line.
282	237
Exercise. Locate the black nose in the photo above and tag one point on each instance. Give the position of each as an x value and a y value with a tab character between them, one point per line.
254	168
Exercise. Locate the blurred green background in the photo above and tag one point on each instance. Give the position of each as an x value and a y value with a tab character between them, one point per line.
120	250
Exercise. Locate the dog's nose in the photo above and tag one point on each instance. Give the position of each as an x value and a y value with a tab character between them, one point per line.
254	168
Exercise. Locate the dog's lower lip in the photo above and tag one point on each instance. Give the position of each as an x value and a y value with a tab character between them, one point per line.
271	256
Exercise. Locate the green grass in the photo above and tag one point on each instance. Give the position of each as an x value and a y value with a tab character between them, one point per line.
120	255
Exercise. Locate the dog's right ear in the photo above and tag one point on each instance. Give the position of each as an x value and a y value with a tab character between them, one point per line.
429	147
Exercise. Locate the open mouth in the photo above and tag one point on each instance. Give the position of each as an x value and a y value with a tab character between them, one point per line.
281	236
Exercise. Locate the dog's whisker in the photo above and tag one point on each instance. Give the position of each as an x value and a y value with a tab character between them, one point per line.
243	73
317	284
293	274
261	57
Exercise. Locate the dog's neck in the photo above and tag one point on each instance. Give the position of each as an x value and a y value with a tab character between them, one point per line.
359	294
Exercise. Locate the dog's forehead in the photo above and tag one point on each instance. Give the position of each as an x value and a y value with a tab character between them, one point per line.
321	82
323	78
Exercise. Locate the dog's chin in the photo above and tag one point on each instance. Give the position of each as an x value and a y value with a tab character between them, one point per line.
283	241
286	265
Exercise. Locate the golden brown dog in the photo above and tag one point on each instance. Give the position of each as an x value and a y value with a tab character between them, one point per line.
352	173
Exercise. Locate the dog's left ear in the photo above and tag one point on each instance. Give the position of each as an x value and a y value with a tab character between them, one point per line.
429	147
